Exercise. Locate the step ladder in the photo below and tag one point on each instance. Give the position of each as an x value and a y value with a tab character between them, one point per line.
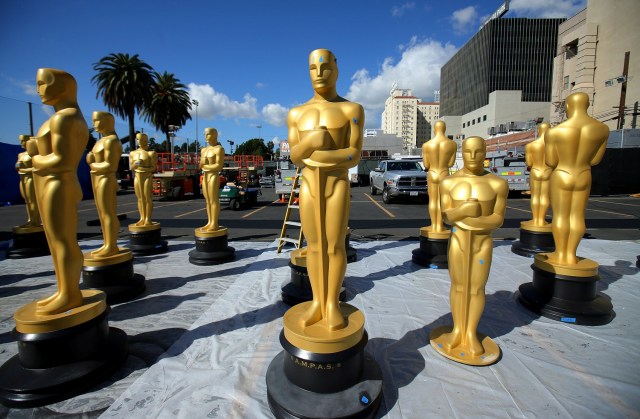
295	190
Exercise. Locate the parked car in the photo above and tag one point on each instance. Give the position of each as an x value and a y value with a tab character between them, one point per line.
399	178
236	196
267	182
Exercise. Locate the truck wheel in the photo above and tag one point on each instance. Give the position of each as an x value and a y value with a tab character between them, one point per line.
373	190
234	204
177	192
385	196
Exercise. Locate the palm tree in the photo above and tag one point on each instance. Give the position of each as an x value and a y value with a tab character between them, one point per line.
126	84
170	104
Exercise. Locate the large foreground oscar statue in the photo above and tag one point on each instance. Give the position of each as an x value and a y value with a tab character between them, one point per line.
211	239
145	236
109	268
535	234
473	202
438	155
564	285
28	239
323	370
65	345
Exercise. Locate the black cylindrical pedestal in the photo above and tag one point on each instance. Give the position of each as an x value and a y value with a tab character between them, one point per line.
211	251
57	365
27	245
566	298
299	289
352	255
532	242
148	242
117	281
431	253
302	384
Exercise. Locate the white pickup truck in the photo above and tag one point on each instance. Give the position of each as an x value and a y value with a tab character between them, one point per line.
399	178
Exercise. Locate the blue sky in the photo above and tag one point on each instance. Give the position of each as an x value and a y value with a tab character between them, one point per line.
244	61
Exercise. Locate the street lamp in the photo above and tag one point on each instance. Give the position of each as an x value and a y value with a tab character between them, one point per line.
172	134
195	102
258	126
231	143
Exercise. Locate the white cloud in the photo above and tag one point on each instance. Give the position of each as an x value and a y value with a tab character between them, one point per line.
464	20
214	104
260	85
398	11
275	114
546	8
418	69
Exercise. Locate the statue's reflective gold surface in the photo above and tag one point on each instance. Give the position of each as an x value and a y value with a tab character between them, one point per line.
473	202
571	149
325	136
103	160
24	166
438	155
211	163
539	176
142	163
60	141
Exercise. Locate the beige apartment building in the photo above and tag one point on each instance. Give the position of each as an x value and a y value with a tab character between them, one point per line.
599	54
407	117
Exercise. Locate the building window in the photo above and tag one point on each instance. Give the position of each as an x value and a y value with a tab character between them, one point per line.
478	120
484	118
463	125
474	122
566	83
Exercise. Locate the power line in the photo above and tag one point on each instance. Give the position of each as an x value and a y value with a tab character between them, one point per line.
17	100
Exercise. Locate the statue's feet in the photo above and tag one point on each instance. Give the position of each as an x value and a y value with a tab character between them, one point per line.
139	223
98	250
106	251
63	302
474	345
335	320
312	315
452	339
47	300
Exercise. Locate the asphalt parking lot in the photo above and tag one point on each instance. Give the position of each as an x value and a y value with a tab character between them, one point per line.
608	218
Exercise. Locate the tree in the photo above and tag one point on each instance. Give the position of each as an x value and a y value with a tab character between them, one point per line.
170	104
126	84
255	147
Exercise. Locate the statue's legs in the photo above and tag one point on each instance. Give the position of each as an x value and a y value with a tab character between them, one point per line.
457	269
31	201
139	189
561	197
147	199
479	267
544	201
434	207
58	200
338	202
106	202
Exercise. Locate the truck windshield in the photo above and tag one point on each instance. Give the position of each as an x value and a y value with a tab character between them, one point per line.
403	165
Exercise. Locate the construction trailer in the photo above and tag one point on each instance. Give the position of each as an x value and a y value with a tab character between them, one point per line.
177	175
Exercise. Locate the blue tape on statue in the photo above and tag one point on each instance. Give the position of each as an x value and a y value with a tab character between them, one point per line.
568	319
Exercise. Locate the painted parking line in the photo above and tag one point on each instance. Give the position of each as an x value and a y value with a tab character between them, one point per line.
613	202
277	201
190	212
519	209
93	208
611	212
380	206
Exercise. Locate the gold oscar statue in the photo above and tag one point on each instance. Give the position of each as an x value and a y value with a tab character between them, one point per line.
438	155
211	163
103	160
535	234
211	239
474	203
60	141
564	285
65	344
323	364
539	176
325	136
142	163
145	236
27	190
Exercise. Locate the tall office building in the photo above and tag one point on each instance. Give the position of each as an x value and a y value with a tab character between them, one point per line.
503	74
408	117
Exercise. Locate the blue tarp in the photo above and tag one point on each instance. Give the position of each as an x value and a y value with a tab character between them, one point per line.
10	181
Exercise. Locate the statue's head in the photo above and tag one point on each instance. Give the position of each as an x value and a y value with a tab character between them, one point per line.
103	121
577	102
142	140
323	70
23	140
55	85
474	151
211	136
542	128
439	127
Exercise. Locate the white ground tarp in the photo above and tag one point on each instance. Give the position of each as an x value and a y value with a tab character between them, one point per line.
215	331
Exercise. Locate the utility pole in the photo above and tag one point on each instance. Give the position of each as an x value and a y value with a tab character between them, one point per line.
623	90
